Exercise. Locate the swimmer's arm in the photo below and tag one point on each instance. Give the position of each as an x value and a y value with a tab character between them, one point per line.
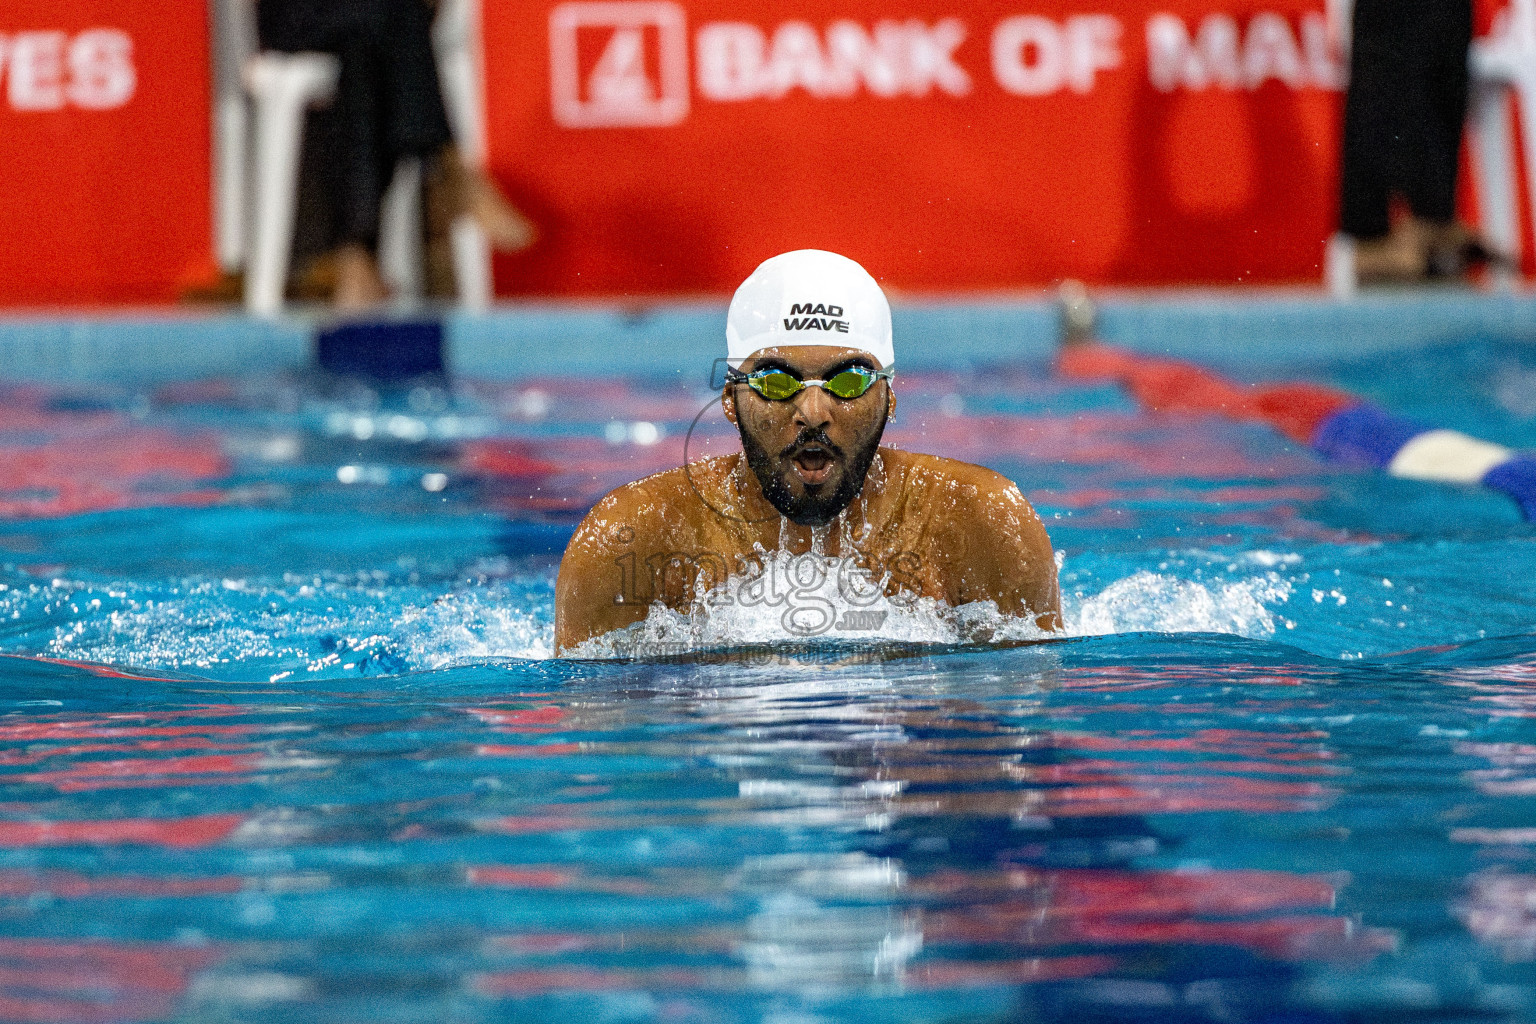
1007	555
596	592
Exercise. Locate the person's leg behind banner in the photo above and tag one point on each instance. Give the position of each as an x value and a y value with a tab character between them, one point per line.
361	170
1430	186
1402	136
1378	113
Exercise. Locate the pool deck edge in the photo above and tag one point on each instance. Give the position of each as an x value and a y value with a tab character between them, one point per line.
556	339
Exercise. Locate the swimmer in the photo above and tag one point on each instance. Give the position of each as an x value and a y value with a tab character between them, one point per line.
811	360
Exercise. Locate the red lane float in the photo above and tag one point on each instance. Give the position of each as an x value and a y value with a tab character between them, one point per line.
1170	385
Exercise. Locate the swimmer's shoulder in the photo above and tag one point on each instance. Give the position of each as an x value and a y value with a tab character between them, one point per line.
988	536
627	527
974	488
658	507
971	506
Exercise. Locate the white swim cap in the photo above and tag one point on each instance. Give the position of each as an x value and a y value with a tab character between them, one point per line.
809	297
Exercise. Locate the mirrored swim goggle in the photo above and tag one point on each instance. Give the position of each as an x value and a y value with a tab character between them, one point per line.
778	385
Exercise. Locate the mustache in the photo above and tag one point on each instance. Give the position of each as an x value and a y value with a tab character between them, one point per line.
807	437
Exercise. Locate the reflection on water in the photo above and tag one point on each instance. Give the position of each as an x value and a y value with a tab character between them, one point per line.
43	980
1500	909
826	920
1059	832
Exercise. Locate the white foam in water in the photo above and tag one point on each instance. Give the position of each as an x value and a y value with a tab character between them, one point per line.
809	597
475	626
806	597
300	627
374	625
1157	603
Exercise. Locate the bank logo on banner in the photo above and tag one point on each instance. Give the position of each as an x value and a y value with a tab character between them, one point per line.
624	63
618	64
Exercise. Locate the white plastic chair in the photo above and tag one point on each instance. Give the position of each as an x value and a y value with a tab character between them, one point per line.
283	86
456	39
234	32
1339	274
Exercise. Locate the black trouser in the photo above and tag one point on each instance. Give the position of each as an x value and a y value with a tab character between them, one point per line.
1404	112
388	102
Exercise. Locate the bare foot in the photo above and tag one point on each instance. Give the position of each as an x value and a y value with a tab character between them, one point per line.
358	284
473	193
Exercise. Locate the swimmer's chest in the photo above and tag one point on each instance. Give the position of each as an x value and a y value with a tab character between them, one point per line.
908	560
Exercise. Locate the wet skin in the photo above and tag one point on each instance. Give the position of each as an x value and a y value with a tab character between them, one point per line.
933	527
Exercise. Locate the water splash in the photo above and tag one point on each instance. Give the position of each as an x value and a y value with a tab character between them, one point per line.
810	596
797	598
314	626
1158	603
382	624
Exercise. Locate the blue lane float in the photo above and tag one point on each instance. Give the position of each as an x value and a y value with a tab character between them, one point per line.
1364	435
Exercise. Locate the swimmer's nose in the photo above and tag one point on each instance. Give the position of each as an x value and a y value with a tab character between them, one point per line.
814	409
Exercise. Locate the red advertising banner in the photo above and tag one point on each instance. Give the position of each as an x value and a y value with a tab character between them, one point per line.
668	146
105	189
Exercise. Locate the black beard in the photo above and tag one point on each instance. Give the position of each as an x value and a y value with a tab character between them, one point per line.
809	509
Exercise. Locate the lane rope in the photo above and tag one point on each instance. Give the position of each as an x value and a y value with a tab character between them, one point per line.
1338	426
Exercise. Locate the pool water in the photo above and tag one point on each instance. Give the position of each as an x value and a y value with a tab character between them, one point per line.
283	739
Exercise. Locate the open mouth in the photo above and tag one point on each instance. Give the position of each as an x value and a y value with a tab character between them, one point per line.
813	464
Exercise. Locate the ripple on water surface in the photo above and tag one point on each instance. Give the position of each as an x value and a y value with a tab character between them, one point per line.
1080	830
